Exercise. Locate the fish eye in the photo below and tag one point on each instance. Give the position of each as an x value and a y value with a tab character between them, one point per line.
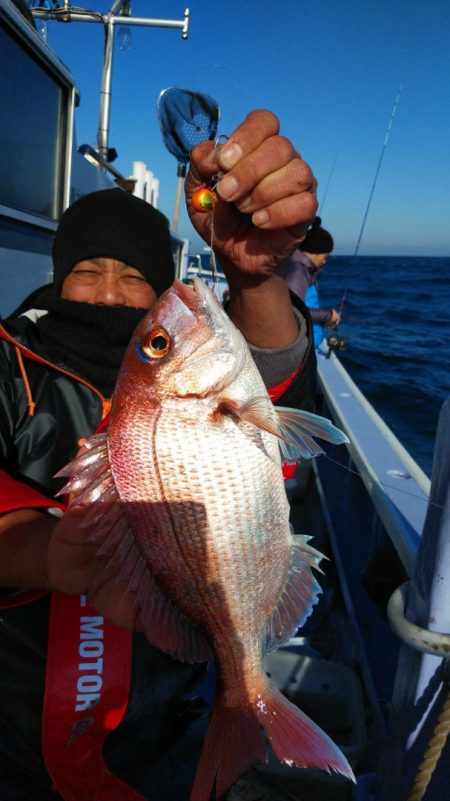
158	344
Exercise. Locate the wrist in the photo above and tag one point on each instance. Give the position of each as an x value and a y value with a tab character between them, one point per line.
261	308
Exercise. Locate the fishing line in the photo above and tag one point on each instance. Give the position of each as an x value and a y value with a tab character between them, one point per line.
375	179
212	261
215	71
212	71
322	202
386	486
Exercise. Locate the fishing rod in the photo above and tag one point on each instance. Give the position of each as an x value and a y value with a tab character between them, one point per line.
335	341
377	171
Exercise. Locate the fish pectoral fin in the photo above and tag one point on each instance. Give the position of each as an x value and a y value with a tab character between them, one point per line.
298	596
297	430
256	411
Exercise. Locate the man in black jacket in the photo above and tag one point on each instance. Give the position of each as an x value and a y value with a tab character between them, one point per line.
58	363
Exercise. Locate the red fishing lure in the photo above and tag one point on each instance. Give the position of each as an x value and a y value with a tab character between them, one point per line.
203	199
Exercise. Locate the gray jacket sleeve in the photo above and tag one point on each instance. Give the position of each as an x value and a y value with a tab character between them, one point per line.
277	365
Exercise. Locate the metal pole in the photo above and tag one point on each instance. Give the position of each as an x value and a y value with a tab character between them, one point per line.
66	14
105	91
386	138
61	15
181	174
116	7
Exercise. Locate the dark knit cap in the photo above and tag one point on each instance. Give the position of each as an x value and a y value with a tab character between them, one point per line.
113	224
317	240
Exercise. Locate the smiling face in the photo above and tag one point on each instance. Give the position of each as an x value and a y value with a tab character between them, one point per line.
108	282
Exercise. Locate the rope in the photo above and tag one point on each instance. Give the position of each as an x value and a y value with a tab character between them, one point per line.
432	754
22	350
23	372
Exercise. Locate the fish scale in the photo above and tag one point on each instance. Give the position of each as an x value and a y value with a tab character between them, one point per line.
220	462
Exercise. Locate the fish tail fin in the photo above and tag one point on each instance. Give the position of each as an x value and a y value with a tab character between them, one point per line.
295	739
233	743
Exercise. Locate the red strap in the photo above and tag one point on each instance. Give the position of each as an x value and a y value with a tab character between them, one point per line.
15	495
279	389
86	695
289	469
275	393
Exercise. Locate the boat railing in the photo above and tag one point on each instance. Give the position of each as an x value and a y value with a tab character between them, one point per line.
398	488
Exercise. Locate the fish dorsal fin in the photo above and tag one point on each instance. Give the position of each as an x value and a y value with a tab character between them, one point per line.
105	523
298	597
297	429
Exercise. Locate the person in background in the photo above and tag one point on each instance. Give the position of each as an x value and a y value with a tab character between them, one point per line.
302	270
88	709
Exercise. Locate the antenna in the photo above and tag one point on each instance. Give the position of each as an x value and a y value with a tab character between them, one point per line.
386	139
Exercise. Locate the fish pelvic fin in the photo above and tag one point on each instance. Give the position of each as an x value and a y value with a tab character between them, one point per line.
298	597
295	739
233	743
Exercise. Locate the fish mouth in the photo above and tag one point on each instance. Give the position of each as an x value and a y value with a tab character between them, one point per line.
189	294
197	297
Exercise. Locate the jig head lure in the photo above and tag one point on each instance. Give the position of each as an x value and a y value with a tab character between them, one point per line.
205	197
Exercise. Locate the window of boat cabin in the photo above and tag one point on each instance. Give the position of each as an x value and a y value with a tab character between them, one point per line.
32	130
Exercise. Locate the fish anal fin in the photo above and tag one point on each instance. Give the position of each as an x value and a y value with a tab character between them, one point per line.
165	626
298	597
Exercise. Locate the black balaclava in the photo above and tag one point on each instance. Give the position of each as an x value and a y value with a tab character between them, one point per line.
90	339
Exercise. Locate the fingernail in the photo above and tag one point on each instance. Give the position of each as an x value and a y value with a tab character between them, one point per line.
211	158
260	217
227	187
230	154
245	203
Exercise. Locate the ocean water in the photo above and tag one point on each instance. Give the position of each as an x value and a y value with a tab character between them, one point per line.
396	327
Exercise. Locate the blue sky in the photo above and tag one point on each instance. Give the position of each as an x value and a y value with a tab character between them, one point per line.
330	69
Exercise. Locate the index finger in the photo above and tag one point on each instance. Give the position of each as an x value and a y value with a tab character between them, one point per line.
257	126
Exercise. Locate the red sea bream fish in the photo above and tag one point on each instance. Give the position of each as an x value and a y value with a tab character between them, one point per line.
186	492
